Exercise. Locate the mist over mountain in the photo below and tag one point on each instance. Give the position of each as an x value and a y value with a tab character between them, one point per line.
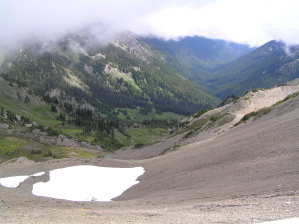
202	96
126	73
251	22
105	88
193	113
130	71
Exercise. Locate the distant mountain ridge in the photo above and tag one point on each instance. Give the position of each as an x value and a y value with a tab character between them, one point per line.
154	104
126	73
225	68
146	74
210	53
199	56
264	67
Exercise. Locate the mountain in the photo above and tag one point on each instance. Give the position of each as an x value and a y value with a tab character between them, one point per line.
247	173
125	73
93	92
146	74
264	67
149	103
225	68
99	92
199	56
206	125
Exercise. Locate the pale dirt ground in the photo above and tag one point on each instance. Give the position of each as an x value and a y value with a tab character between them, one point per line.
248	174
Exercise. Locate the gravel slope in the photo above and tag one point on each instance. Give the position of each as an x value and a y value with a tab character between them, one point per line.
249	174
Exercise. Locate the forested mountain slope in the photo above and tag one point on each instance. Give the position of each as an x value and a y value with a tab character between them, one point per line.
269	65
197	56
226	68
125	73
147	75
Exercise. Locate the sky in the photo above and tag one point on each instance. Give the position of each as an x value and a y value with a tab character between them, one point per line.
252	22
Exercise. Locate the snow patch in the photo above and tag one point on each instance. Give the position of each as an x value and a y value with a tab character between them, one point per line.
81	183
285	221
13	182
88	183
37	174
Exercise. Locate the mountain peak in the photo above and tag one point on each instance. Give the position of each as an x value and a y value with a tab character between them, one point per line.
129	42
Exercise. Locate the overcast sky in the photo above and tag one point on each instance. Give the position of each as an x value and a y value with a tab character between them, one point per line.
252	22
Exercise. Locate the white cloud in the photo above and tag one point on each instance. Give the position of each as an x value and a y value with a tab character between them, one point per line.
253	22
245	21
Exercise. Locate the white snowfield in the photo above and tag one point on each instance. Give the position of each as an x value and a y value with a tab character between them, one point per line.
285	221
82	183
13	182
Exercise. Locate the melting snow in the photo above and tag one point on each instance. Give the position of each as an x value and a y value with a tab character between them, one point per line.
37	174
13	182
82	183
285	221
88	183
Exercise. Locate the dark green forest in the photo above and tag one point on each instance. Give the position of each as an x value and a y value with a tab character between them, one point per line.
104	90
159	86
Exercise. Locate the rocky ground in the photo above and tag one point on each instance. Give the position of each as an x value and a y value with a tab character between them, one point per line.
248	174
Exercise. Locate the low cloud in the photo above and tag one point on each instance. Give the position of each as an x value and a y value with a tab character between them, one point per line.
252	22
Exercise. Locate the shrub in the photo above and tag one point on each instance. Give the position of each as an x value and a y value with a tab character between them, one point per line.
246	92
189	134
287	98
183	124
36	152
214	118
49	154
200	113
236	99
138	145
52	132
253	114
